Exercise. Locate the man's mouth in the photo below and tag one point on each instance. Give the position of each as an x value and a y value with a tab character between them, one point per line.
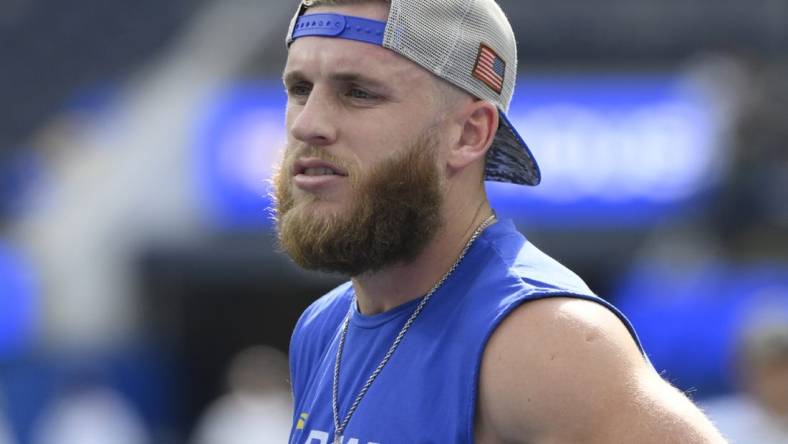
316	167
314	175
319	172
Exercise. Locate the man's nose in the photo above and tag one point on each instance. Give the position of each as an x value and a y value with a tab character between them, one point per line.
314	122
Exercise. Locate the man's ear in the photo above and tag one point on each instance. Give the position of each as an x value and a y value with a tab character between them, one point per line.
478	123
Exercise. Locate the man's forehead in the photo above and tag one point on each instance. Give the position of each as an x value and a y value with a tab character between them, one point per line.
327	55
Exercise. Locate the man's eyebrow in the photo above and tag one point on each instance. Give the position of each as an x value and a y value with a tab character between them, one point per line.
340	77
352	77
292	77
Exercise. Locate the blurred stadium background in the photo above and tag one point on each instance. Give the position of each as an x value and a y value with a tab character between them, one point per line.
140	287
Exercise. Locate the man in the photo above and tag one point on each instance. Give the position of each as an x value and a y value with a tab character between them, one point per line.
453	329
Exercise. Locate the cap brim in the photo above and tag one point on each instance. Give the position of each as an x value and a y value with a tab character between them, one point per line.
509	158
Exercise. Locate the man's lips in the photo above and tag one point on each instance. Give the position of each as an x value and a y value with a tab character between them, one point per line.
314	167
312	174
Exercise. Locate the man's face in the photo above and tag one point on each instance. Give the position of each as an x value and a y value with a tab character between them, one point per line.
360	185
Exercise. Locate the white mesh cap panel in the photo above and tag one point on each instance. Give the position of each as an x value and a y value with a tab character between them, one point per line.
444	37
412	24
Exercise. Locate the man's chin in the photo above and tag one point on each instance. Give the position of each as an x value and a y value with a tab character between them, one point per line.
316	209
315	206
314	214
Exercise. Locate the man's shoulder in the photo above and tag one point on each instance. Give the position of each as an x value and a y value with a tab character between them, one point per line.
565	322
552	352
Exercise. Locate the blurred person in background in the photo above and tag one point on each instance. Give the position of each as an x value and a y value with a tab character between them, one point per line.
752	213
257	408
730	262
759	413
88	411
747	219
383	180
751	220
6	434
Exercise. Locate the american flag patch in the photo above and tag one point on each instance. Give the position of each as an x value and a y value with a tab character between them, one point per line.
490	68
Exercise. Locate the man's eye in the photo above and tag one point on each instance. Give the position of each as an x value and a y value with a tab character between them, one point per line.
356	93
299	90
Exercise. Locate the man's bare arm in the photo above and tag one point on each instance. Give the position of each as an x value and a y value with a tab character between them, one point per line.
567	371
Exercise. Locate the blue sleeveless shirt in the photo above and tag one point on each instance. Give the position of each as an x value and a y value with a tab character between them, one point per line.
427	392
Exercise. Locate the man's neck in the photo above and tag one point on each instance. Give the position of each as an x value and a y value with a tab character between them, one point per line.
395	285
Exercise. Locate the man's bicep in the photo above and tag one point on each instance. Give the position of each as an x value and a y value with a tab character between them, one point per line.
567	370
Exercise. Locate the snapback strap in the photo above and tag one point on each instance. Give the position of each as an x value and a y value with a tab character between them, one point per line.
340	26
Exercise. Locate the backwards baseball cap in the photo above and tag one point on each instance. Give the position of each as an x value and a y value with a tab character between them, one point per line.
468	43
